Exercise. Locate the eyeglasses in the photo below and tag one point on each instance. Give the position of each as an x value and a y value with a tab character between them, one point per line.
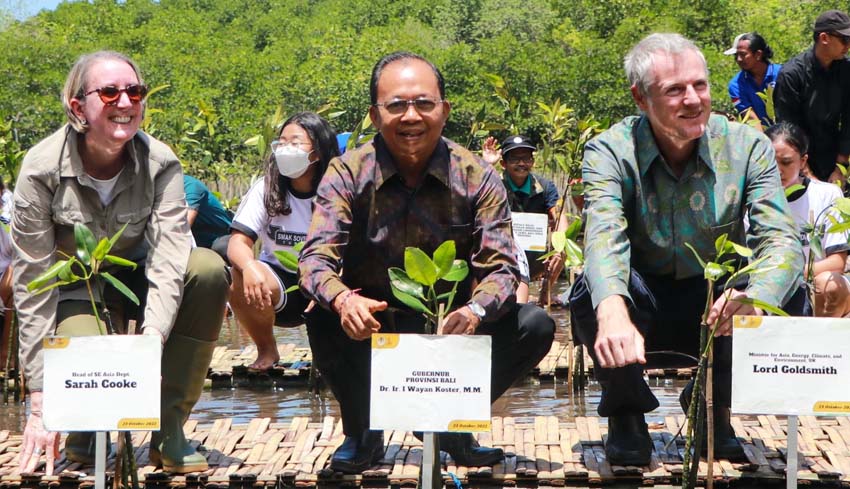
845	40
110	94
515	160
301	144
422	105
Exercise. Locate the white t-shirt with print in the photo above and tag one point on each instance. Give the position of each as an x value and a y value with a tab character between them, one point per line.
277	232
817	197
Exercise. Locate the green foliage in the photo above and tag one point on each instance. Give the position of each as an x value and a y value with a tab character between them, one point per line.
289	261
414	286
11	154
223	67
91	256
565	242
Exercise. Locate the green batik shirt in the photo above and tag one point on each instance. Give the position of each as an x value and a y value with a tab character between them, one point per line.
639	215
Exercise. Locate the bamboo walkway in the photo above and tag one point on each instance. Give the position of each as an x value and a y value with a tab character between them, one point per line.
540	451
229	367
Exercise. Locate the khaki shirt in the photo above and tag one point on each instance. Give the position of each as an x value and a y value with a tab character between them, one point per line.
53	192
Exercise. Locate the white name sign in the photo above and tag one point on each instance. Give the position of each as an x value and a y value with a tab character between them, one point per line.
430	383
530	230
790	365
101	383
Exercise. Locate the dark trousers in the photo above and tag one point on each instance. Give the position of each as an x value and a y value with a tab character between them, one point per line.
521	338
667	312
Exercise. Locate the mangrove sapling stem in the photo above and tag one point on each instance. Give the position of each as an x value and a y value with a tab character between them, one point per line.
709	416
94	308
693	438
131	460
6	368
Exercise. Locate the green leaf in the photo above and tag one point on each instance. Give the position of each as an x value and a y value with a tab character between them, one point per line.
47	276
575	255
573	229
444	257
114	238
58	283
741	250
121	287
66	273
701	263
299	246
839	228
399	280
291	288
720	245
121	262
458	272
419	266
816	246
287	259
411	302
101	249
559	241
85	242
793	188
842	205
713	271
761	305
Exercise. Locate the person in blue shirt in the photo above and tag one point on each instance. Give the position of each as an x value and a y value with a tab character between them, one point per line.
208	219
757	74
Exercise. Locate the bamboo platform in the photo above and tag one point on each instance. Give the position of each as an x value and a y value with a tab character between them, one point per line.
540	451
229	367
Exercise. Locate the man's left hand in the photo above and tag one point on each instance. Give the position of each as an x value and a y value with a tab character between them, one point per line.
460	321
732	308
554	266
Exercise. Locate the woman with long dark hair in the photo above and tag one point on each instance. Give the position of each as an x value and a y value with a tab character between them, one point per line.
277	211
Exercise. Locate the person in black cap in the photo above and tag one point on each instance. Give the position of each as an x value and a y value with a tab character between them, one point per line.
529	192
813	92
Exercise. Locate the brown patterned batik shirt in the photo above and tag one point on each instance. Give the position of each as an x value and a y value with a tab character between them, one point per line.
365	217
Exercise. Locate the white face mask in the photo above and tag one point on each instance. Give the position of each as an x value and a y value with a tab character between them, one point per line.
292	161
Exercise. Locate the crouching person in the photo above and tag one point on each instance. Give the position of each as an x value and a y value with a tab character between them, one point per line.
673	176
410	187
100	170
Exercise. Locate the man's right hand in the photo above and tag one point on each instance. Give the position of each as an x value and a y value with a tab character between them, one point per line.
618	341
355	314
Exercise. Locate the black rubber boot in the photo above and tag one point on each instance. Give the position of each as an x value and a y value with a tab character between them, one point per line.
628	440
726	444
357	454
465	450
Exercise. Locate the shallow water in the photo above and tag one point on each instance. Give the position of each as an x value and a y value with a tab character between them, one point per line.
530	398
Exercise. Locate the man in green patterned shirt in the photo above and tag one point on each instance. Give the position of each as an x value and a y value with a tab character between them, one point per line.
673	175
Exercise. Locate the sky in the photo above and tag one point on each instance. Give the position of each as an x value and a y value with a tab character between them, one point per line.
26	8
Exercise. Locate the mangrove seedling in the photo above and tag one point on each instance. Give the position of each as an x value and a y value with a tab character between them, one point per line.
91	256
289	261
415	285
727	256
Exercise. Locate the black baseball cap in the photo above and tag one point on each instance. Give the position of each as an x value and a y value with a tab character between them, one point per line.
833	21
517	142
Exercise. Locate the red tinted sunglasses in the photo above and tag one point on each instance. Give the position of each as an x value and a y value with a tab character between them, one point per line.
110	94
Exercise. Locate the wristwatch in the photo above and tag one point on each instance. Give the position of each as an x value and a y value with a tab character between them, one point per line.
476	309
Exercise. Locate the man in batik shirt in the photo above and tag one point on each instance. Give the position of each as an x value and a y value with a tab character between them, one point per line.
673	176
410	187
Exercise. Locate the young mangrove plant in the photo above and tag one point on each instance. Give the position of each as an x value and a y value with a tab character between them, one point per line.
415	285
728	255
86	266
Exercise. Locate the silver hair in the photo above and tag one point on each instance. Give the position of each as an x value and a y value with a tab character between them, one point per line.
638	61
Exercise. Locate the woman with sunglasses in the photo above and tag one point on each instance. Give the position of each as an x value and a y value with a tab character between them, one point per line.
277	211
100	170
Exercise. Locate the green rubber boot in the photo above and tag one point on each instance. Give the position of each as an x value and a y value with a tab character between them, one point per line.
80	447
185	362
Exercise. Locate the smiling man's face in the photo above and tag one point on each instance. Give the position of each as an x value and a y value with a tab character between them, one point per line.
412	136
678	102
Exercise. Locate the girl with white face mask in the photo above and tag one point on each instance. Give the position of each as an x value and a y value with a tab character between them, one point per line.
277	211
